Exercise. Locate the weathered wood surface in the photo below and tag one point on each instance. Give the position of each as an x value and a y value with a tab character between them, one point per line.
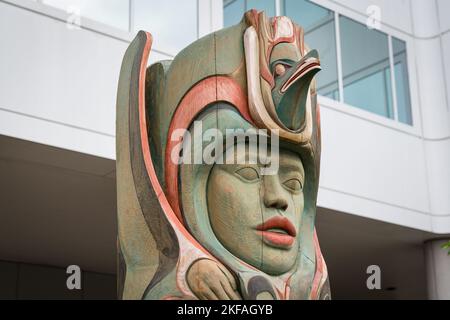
213	230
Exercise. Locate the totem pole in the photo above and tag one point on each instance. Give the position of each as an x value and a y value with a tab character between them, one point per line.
197	227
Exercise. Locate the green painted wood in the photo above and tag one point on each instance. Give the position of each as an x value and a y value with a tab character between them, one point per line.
220	204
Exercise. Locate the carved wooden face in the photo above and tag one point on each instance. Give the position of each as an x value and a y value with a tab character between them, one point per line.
257	218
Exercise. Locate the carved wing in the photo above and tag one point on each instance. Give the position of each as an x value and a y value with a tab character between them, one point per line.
147	245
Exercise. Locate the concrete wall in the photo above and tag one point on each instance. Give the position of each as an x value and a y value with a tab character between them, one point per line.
58	87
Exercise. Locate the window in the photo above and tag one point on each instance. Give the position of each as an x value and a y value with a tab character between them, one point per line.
374	74
320	34
366	68
173	23
402	81
263	5
235	9
114	13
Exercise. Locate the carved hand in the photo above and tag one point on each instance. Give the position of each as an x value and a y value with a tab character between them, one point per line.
209	280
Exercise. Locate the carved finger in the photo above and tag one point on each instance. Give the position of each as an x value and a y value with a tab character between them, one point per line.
219	291
229	276
207	294
232	294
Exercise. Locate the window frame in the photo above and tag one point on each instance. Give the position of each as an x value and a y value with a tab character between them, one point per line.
276	5
416	128
204	9
210	18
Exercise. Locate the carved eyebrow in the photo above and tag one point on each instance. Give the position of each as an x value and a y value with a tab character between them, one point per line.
288	62
293	167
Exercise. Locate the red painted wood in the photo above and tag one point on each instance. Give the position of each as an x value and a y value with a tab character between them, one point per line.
320	265
213	89
173	219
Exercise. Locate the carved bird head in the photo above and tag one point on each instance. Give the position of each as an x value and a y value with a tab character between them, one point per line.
280	73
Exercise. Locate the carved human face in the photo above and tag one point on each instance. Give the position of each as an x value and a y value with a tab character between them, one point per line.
257	218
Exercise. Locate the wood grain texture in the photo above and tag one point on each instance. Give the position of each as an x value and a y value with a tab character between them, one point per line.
193	231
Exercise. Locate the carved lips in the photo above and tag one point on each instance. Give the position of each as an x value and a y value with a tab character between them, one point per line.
278	232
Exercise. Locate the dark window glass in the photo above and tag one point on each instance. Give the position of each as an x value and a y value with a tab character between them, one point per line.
366	68
268	6
402	81
320	34
234	10
169	37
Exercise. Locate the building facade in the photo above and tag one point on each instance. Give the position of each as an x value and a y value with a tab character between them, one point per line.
384	94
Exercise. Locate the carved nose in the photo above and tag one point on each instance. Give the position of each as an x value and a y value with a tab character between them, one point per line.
274	196
277	203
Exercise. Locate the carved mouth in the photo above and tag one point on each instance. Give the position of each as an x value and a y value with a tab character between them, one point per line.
278	232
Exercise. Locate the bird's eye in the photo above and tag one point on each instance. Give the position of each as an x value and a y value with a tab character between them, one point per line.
294	185
248	173
280	70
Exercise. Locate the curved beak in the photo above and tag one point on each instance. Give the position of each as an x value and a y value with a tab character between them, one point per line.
306	68
288	100
291	93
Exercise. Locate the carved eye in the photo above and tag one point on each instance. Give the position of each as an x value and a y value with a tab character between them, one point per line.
294	185
248	173
280	70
